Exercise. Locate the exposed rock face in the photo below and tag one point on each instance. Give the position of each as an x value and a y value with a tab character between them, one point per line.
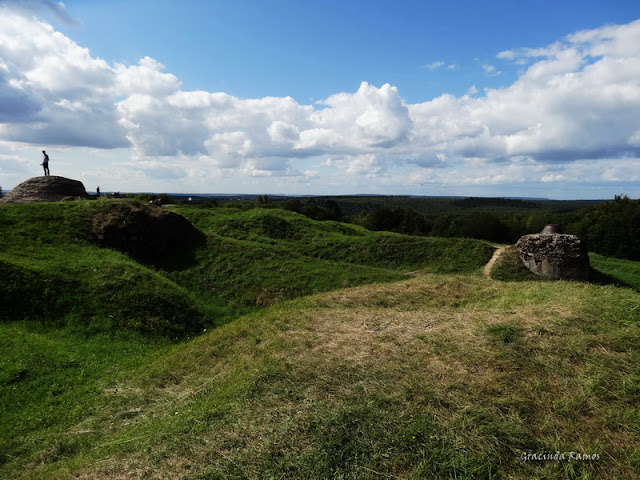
555	255
45	189
144	232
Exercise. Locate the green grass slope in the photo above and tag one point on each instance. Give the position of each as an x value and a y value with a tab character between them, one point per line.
340	242
378	375
52	272
616	270
55	272
439	376
262	256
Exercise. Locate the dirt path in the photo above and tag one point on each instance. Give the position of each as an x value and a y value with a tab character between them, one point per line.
489	265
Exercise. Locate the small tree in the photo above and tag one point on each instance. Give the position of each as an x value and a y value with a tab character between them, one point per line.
263	201
0	192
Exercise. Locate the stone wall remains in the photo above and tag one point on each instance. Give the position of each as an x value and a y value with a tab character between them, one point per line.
557	256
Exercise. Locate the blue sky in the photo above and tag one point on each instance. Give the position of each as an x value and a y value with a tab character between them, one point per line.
494	98
310	50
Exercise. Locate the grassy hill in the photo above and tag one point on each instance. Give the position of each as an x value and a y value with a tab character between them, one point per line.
322	356
55	271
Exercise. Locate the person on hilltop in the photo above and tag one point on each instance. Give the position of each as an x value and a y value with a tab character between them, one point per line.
45	163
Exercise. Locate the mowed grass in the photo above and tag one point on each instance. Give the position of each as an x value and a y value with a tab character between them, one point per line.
380	375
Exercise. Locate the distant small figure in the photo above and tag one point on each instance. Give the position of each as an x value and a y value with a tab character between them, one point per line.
98	192
45	163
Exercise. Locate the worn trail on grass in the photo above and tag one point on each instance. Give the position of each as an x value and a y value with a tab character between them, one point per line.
489	266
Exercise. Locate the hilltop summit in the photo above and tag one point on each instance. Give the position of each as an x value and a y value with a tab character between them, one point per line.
45	189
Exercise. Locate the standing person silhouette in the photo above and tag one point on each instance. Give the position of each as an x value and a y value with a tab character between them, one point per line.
45	163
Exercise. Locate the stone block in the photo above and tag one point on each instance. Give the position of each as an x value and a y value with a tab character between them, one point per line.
557	256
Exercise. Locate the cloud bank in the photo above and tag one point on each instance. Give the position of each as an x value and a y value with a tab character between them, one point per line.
571	115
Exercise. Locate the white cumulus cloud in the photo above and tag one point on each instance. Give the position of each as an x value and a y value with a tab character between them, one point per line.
577	100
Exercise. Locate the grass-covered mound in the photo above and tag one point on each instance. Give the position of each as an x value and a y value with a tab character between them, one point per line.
341	242
53	271
262	256
508	267
97	293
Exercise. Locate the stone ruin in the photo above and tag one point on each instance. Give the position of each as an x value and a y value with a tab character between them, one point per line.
554	254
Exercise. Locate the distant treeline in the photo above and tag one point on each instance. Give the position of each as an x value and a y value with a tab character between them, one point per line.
436	206
609	228
472	202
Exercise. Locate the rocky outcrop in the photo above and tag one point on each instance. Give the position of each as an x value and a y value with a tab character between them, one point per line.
45	189
144	232
555	255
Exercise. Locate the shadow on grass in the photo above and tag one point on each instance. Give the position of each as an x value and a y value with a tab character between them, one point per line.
599	278
180	256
